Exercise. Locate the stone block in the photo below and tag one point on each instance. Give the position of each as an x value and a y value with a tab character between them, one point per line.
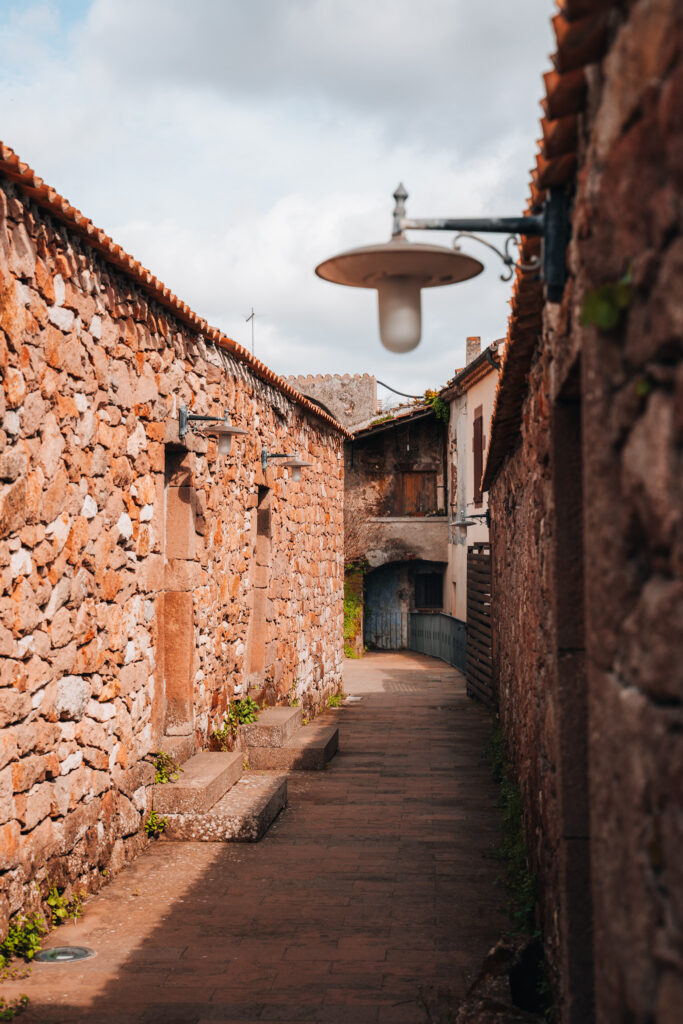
181	539
72	698
275	727
310	749
10	835
243	815
203	781
179	650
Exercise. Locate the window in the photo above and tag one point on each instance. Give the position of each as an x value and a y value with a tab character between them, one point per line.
417	493
428	590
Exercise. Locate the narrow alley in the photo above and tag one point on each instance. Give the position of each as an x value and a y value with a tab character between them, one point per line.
371	899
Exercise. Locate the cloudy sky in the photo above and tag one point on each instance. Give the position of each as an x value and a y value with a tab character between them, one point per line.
231	145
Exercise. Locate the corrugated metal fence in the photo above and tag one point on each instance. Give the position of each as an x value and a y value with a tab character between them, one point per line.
440	635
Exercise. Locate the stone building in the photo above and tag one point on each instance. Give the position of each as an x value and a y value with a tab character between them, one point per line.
584	472
395	512
146	579
470	396
350	397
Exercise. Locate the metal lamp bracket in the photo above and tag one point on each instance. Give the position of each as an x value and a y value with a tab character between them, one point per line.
552	225
266	456
187	418
506	256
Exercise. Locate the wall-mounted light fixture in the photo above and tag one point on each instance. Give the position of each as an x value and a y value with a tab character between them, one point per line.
293	462
210	426
471	519
399	269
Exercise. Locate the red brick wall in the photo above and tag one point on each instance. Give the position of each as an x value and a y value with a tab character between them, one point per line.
607	405
119	587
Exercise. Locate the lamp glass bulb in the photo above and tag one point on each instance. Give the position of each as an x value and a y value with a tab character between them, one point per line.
296	473
400	313
224	444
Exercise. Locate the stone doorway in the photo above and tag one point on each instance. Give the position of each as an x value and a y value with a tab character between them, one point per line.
180	571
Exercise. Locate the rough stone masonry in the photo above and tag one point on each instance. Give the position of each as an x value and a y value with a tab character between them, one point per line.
145	581
587	529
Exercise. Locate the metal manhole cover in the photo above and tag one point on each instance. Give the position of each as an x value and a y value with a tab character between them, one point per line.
63	954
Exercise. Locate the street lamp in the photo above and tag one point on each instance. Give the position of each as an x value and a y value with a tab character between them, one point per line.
210	426
399	269
292	462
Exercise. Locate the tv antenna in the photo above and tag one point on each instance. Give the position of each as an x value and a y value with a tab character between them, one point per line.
252	316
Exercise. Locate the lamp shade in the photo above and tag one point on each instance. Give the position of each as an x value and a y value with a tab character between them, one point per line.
294	463
224	432
398	270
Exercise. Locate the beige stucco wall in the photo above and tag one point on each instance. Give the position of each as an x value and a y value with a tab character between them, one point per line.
461	481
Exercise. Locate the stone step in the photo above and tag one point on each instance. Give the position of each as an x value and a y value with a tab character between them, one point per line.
273	728
180	748
243	815
310	749
202	782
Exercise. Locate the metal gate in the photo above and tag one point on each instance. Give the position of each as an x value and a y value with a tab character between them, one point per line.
478	664
440	635
386	629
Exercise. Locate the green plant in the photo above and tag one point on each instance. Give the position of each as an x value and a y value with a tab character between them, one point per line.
353	612
61	907
24	938
11	1008
154	825
440	408
167	770
240	712
334	700
605	306
246	710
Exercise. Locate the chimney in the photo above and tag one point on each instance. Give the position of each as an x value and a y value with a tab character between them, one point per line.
473	349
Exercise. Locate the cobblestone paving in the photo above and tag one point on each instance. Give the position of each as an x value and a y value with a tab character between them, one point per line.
370	899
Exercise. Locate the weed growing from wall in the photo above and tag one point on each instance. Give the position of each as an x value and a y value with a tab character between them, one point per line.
62	907
155	826
353	612
441	409
240	712
166	769
24	938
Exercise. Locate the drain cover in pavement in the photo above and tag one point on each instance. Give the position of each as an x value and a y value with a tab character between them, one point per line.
63	954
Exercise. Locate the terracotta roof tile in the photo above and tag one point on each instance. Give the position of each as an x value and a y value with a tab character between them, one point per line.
46	197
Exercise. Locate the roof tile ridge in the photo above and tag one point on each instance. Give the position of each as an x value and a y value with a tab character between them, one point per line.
51	200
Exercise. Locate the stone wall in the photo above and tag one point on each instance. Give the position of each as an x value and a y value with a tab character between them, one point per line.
145	580
350	398
587	509
375	463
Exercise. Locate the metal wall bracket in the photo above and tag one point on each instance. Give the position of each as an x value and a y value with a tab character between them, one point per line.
552	225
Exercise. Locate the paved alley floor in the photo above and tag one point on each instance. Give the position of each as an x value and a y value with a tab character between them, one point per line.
370	898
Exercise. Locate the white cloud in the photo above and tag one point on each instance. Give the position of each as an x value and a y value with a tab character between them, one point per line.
231	147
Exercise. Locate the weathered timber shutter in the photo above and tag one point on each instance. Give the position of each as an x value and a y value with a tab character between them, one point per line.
478	668
418	493
478	450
